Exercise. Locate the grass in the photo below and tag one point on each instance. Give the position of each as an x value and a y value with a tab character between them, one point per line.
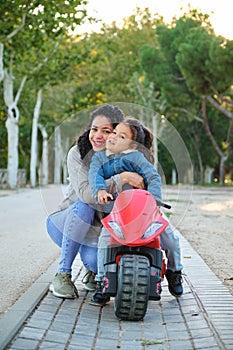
151	342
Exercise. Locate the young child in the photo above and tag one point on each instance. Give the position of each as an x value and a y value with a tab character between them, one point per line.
128	148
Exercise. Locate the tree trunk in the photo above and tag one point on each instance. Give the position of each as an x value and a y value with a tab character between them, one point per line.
34	141
209	175
58	156
12	130
222	170
174	177
44	166
155	142
201	168
223	157
1	63
12	126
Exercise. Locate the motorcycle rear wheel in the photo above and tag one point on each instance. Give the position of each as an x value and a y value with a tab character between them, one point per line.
133	288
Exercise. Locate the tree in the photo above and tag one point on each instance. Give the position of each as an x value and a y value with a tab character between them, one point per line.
190	65
33	160
24	28
210	75
105	62
43	171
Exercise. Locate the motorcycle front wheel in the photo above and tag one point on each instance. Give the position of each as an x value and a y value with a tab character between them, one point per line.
133	288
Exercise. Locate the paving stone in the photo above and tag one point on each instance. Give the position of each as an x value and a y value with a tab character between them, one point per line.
61	327
201	333
32	333
131	345
82	329
57	337
69	318
154	331
74	347
205	342
80	340
180	344
131	335
173	318
49	308
39	323
46	345
109	333
103	347
25	344
178	335
41	316
106	344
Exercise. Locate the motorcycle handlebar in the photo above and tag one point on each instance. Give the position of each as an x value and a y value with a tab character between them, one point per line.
161	204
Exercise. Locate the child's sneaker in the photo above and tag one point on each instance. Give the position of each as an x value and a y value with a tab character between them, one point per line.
98	298
174	279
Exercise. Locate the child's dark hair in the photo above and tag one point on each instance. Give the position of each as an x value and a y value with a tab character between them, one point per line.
113	114
142	136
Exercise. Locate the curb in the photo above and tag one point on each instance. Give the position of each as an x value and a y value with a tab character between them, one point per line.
13	319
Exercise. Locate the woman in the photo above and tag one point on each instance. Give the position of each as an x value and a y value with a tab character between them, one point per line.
75	227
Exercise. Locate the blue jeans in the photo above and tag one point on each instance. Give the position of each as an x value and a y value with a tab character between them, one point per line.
170	243
68	229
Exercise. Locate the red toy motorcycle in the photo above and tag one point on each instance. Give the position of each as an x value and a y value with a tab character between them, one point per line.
134	263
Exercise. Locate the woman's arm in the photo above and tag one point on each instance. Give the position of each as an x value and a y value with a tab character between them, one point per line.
116	182
78	178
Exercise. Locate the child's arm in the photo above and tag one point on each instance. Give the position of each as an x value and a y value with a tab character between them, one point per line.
96	175
151	176
104	197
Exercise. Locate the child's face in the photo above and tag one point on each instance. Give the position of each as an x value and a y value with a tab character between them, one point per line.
120	139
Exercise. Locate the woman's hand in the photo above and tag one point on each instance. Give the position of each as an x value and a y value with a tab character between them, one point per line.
133	179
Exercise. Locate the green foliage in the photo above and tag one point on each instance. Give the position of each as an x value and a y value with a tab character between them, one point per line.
197	59
106	61
52	17
167	69
34	34
189	63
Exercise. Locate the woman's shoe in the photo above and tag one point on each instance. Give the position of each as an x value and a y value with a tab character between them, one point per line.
62	286
89	280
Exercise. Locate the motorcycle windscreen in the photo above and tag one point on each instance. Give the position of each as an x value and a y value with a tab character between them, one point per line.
135	218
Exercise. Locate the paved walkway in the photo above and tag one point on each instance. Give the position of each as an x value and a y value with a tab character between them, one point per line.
201	319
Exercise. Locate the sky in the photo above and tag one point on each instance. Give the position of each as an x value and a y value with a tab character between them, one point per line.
115	10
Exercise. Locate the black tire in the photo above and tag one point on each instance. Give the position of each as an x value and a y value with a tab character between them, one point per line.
133	288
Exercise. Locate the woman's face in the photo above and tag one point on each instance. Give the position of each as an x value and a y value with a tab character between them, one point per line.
100	130
120	139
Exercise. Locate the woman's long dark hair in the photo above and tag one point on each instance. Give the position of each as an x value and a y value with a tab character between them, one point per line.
113	114
142	136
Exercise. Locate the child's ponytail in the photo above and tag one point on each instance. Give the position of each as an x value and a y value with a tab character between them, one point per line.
148	143
142	136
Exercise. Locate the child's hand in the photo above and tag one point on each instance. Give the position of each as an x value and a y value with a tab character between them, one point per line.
104	197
